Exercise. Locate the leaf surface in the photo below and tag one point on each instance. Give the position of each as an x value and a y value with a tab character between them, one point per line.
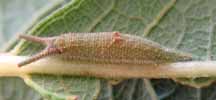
13	17
185	25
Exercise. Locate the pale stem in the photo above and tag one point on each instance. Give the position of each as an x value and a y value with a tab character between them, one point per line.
192	69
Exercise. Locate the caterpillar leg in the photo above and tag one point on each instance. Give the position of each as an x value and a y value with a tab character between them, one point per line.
115	81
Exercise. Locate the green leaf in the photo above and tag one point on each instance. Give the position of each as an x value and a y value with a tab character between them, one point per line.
63	87
14	15
185	25
91	14
189	27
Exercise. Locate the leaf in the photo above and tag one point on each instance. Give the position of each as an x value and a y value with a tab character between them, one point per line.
130	90
60	22
13	16
181	24
189	26
64	87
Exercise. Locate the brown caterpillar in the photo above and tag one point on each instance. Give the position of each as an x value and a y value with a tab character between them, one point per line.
105	48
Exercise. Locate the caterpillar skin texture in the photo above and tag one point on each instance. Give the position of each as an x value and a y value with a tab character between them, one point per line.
104	48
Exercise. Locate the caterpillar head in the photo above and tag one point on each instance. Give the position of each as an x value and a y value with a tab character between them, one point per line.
50	48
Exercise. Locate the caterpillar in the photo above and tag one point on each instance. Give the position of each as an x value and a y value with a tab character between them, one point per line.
104	48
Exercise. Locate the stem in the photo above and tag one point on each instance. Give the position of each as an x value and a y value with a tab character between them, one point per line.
192	69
